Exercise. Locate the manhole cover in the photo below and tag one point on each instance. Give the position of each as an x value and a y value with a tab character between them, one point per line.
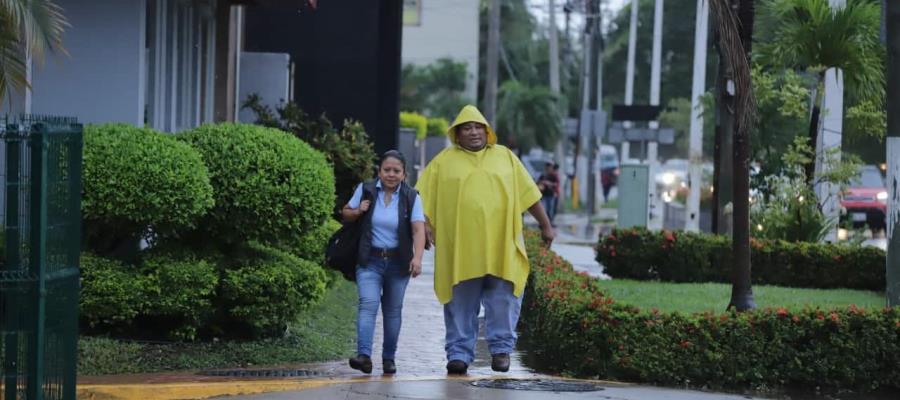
542	385
273	373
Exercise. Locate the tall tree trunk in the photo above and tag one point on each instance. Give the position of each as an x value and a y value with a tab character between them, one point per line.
735	22
493	58
892	18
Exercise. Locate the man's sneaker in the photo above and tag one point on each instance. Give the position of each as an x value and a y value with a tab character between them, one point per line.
500	362
388	366
362	363
457	367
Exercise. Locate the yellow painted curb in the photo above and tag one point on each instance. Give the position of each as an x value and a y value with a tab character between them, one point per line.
193	390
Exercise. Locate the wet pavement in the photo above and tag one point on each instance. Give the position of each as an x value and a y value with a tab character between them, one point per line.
421	361
464	389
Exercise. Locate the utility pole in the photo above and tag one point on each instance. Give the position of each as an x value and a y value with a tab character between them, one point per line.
695	152
595	139
629	74
656	207
555	89
583	144
829	137
493	57
892	22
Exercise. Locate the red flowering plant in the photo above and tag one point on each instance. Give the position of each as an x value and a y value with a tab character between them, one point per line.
571	325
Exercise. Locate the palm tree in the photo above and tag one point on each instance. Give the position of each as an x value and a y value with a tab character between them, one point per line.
528	116
734	19
811	35
35	26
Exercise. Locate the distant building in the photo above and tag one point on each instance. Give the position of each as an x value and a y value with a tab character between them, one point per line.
166	64
434	29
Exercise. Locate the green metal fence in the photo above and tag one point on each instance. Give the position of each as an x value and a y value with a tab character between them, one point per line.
41	210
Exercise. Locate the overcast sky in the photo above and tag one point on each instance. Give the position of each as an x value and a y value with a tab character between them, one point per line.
539	9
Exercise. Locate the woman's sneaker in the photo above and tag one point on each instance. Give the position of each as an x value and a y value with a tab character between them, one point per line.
362	363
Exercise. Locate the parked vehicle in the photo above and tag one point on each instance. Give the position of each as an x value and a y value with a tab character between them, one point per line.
864	202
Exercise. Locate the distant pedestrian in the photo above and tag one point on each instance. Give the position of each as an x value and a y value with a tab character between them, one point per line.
390	251
474	194
548	183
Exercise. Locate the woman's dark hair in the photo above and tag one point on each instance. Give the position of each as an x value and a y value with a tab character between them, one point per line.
392	154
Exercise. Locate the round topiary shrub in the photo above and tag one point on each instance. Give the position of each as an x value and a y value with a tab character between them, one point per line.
180	292
267	292
311	245
112	294
137	181
269	186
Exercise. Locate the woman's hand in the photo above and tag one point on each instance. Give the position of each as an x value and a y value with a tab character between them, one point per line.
415	266
364	206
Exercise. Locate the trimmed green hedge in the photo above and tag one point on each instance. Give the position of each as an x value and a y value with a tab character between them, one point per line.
171	296
637	253
138	180
269	186
571	325
269	288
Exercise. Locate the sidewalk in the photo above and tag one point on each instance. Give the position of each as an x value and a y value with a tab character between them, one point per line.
421	372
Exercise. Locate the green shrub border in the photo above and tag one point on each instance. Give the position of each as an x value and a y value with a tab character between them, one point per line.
637	253
570	325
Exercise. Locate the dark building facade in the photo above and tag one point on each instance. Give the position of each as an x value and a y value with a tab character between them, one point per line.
346	56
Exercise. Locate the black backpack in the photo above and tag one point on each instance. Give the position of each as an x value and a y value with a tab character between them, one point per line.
342	250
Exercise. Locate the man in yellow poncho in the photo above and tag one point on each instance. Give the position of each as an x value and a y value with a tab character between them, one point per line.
474	194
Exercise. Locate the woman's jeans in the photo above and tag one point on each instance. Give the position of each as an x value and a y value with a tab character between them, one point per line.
382	281
501	313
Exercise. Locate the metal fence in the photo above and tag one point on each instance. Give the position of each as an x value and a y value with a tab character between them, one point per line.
40	164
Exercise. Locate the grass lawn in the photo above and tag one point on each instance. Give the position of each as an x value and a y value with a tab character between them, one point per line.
700	297
325	332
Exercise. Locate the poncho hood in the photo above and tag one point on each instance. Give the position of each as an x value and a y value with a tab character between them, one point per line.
470	113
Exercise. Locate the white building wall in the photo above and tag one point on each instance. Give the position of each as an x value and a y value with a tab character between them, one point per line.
100	79
447	29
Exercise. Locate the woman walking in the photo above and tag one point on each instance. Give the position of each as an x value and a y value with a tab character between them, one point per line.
390	251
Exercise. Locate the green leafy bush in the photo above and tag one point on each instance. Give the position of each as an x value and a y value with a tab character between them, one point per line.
180	293
112	294
268	185
437	126
265	293
569	324
637	253
311	245
414	121
349	149
137	181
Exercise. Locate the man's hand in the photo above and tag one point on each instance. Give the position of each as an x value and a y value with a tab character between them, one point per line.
548	234
429	236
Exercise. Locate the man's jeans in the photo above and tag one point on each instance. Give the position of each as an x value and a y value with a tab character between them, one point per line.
381	281
501	313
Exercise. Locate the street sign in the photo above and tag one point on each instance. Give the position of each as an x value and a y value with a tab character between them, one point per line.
618	134
570	127
621	112
593	123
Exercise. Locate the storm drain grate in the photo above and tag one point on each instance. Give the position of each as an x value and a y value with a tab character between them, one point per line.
257	373
538	385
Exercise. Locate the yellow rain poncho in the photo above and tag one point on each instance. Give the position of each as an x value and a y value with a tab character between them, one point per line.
475	201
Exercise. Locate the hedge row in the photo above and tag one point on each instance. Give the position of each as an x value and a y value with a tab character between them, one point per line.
637	253
571	325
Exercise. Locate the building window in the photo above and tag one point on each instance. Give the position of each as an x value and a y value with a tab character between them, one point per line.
412	12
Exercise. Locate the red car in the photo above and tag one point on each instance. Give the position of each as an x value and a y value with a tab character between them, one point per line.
865	200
